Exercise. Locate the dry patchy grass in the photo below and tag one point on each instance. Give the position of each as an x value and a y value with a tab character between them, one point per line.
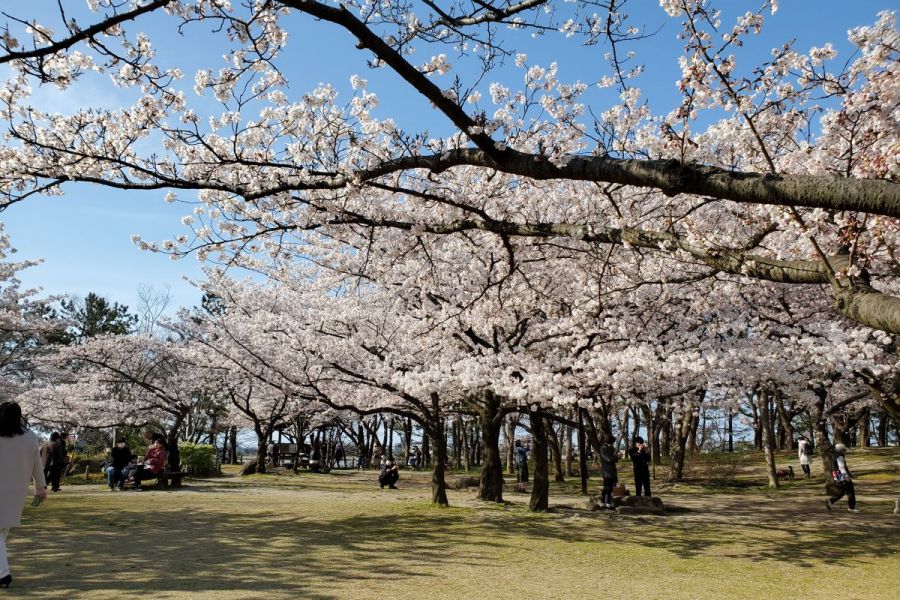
339	536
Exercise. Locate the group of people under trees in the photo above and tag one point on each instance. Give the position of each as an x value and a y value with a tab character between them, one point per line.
123	467
638	453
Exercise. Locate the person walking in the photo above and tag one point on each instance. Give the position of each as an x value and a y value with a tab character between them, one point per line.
640	460
840	474
56	460
20	463
803	448
521	465
608	459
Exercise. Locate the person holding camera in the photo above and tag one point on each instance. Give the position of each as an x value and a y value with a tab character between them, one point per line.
640	460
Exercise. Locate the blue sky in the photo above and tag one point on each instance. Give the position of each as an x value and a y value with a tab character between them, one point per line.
84	236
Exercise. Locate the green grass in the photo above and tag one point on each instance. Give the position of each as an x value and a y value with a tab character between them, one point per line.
339	536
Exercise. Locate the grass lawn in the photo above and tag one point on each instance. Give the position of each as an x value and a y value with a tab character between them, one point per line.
339	536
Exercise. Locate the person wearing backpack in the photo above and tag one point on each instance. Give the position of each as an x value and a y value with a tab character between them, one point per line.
840	474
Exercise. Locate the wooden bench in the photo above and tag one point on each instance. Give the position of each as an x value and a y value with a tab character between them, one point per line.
163	479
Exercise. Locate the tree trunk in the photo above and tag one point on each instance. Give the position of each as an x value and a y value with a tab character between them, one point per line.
261	451
680	433
173	455
555	452
666	433
692	433
730	431
490	483
426	448
511	425
457	443
757	430
682	430
467	445
407	439
582	452
768	435
593	436
569	450
232	434
883	428
820	422
865	431
540	490
438	483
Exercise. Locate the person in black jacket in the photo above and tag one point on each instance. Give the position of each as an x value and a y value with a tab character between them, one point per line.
640	460
390	474
57	459
608	459
119	457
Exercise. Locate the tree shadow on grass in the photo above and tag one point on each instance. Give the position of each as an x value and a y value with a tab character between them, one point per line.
112	546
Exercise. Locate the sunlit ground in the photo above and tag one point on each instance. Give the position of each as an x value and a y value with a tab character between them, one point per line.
339	536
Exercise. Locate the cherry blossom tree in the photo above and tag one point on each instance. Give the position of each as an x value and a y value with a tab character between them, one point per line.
792	182
24	324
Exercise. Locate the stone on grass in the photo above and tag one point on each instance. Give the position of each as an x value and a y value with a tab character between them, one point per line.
639	505
463	483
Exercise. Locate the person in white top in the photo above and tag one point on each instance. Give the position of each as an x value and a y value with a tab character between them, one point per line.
20	462
840	474
803	452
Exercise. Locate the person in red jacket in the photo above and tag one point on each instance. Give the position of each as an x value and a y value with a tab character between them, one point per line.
154	463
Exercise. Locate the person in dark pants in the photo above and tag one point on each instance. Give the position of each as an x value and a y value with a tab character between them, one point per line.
119	458
608	459
154	463
390	474
640	460
521	455
56	461
841	475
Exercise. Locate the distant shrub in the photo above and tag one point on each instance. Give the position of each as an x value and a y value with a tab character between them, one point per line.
197	459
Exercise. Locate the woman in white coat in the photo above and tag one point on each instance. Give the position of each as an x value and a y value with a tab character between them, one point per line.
20	462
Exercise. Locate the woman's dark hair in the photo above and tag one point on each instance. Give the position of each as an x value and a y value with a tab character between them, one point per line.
11	421
55	437
638	439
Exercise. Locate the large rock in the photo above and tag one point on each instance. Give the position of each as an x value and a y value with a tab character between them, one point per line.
639	505
249	468
463	483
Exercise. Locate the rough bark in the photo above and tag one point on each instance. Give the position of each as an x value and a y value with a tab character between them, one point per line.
820	424
555	453
582	453
510	432
768	435
569	450
232	435
490	483
540	490
438	481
